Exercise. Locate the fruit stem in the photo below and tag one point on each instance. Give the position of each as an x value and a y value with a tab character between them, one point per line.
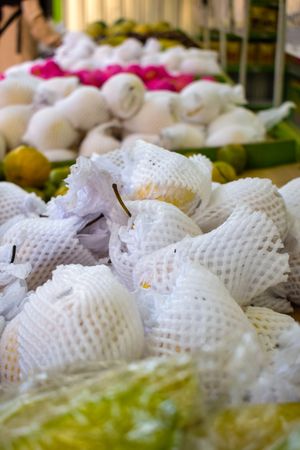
13	254
119	198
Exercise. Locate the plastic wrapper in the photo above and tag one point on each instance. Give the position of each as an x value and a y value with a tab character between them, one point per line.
143	406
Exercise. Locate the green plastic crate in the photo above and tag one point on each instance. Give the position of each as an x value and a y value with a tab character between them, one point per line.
282	147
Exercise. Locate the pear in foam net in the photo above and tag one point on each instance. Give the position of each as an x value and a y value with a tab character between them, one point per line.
245	252
14	91
84	108
154	173
14	120
124	95
45	244
199	316
100	140
159	110
152	225
258	194
81	314
15	201
50	129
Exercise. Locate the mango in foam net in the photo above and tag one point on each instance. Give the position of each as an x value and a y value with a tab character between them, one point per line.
179	197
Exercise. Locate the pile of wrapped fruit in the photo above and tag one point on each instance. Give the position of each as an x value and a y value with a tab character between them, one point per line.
61	118
79	52
149	308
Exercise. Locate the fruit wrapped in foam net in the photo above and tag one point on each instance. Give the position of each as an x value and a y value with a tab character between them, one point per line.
257	194
45	244
153	225
245	252
154	173
81	314
200	316
15	201
269	325
275	299
291	196
13	286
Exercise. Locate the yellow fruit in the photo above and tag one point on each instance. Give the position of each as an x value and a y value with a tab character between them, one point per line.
26	166
62	190
179	197
141	28
223	172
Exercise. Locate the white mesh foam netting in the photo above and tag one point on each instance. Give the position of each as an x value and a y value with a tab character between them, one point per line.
291	196
154	173
82	314
292	246
153	225
15	201
269	325
258	194
46	243
279	382
9	355
245	253
13	287
275	299
201	317
90	192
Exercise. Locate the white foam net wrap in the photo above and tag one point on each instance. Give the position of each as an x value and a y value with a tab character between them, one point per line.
9	355
201	317
46	243
154	173
90	192
245	253
280	381
153	225
269	325
82	314
84	108
292	245
291	195
14	201
13	286
274	300
257	194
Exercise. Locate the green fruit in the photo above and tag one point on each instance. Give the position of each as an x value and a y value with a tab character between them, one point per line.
223	172
160	27
142	406
113	40
233	154
141	28
62	190
254	426
95	29
49	190
58	175
121	28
